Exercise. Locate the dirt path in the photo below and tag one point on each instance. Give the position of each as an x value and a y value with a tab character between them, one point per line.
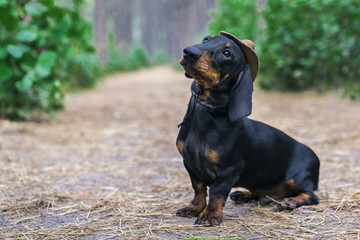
108	168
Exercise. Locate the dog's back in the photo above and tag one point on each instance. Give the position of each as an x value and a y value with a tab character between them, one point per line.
274	157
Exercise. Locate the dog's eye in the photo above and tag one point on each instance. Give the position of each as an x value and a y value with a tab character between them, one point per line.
227	53
205	40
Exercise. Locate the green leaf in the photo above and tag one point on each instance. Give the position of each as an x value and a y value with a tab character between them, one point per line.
26	83
42	71
3	2
16	50
34	9
2	53
45	63
43	95
47	58
5	72
57	83
26	36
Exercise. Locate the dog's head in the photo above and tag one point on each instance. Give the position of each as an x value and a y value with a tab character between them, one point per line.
222	57
214	60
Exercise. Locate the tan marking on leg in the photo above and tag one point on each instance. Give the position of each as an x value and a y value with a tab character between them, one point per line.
180	146
212	155
295	202
199	201
284	189
201	188
213	213
291	185
197	204
301	197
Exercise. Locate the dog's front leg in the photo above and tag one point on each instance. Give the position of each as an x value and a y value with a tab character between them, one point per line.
219	191
198	203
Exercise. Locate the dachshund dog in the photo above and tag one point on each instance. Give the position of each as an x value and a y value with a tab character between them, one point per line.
222	148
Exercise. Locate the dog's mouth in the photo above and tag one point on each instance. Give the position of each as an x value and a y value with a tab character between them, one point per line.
189	72
187	68
192	72
188	75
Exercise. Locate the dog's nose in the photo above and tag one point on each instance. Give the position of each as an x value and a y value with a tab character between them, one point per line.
191	53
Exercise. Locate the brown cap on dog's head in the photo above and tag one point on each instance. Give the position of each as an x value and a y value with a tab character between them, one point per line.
247	46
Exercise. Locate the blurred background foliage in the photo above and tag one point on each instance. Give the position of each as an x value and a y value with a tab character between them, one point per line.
302	43
44	48
235	16
49	47
312	44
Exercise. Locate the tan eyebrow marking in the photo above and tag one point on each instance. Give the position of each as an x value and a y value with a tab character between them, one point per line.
227	45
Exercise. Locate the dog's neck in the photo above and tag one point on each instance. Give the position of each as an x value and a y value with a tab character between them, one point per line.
215	99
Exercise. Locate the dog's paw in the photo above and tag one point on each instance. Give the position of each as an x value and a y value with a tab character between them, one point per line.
209	218
286	204
242	196
187	212
298	201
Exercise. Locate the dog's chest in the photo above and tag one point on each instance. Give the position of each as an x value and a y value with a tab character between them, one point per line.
201	157
207	144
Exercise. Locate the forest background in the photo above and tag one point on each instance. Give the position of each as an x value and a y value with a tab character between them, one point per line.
50	47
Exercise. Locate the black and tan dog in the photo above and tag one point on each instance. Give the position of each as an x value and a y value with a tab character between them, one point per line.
223	149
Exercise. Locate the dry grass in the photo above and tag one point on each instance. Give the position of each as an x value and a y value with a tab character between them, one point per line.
108	168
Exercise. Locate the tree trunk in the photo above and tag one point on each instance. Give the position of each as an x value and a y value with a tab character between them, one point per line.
100	28
122	13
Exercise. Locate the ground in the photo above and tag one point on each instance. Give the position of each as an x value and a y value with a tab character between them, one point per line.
108	168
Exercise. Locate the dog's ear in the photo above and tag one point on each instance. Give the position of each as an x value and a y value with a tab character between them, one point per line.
240	104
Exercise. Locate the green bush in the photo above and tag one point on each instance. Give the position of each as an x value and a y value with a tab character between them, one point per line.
85	70
235	16
43	47
311	44
304	44
160	58
121	60
138	57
